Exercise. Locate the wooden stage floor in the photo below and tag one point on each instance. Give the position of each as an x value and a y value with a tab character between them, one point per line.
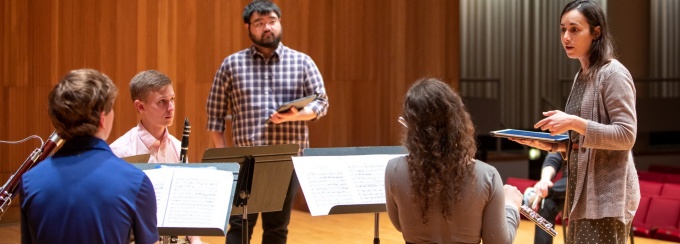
343	228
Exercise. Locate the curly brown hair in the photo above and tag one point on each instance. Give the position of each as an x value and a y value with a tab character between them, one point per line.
441	142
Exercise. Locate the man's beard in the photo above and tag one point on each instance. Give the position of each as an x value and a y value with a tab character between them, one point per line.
268	44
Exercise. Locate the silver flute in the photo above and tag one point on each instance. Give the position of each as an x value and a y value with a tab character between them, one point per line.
537	219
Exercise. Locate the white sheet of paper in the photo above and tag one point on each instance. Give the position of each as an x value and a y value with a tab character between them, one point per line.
161	180
329	181
191	197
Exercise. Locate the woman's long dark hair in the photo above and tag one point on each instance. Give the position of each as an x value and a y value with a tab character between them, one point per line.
441	142
602	48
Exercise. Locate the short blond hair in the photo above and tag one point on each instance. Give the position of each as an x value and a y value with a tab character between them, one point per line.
147	81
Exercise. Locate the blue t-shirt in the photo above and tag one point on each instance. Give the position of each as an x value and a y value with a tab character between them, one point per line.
85	194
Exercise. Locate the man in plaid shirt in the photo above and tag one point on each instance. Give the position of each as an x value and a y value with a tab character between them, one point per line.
252	84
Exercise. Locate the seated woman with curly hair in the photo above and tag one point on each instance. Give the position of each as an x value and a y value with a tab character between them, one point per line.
439	193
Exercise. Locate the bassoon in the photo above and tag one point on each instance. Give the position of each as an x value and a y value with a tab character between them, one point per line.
11	187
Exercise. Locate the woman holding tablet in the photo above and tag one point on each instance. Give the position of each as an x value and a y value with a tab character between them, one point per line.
600	119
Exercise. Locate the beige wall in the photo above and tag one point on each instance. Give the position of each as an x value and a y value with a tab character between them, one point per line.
369	52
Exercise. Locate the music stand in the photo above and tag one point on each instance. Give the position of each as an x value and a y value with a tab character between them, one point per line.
264	180
140	158
178	231
365	208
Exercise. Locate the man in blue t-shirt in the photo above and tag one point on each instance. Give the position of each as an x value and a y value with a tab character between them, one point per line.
84	193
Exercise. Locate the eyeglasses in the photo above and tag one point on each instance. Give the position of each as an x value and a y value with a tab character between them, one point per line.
402	121
262	23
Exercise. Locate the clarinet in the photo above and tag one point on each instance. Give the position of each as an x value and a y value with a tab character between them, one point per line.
185	142
11	187
537	219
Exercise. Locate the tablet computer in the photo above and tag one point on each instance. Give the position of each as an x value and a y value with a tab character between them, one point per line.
298	103
525	134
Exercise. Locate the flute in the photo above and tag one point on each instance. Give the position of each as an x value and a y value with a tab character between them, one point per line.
537	219
11	187
185	142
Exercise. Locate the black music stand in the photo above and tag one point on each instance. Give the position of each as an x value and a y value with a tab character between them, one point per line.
180	231
265	175
360	208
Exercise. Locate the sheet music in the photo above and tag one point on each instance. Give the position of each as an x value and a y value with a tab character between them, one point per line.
191	197
161	180
329	181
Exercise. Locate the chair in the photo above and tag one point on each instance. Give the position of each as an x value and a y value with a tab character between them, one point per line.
650	188
670	233
663	213
672	178
666	169
521	184
652	176
670	190
639	227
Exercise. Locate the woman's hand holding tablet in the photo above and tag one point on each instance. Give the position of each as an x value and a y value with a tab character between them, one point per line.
533	135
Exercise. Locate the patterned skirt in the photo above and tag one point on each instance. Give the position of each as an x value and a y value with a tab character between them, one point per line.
605	230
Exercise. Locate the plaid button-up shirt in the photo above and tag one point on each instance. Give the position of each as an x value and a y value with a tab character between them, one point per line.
252	88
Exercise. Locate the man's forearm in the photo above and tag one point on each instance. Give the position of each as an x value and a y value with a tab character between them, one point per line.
219	139
306	114
547	173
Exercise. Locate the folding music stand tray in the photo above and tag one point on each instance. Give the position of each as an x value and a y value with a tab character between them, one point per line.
363	208
141	158
177	231
266	173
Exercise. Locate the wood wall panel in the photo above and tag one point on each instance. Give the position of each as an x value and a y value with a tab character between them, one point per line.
369	53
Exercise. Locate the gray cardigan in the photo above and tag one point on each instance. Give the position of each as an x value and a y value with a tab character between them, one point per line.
607	182
481	213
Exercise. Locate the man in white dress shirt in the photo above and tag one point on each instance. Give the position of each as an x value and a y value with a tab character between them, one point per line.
154	99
